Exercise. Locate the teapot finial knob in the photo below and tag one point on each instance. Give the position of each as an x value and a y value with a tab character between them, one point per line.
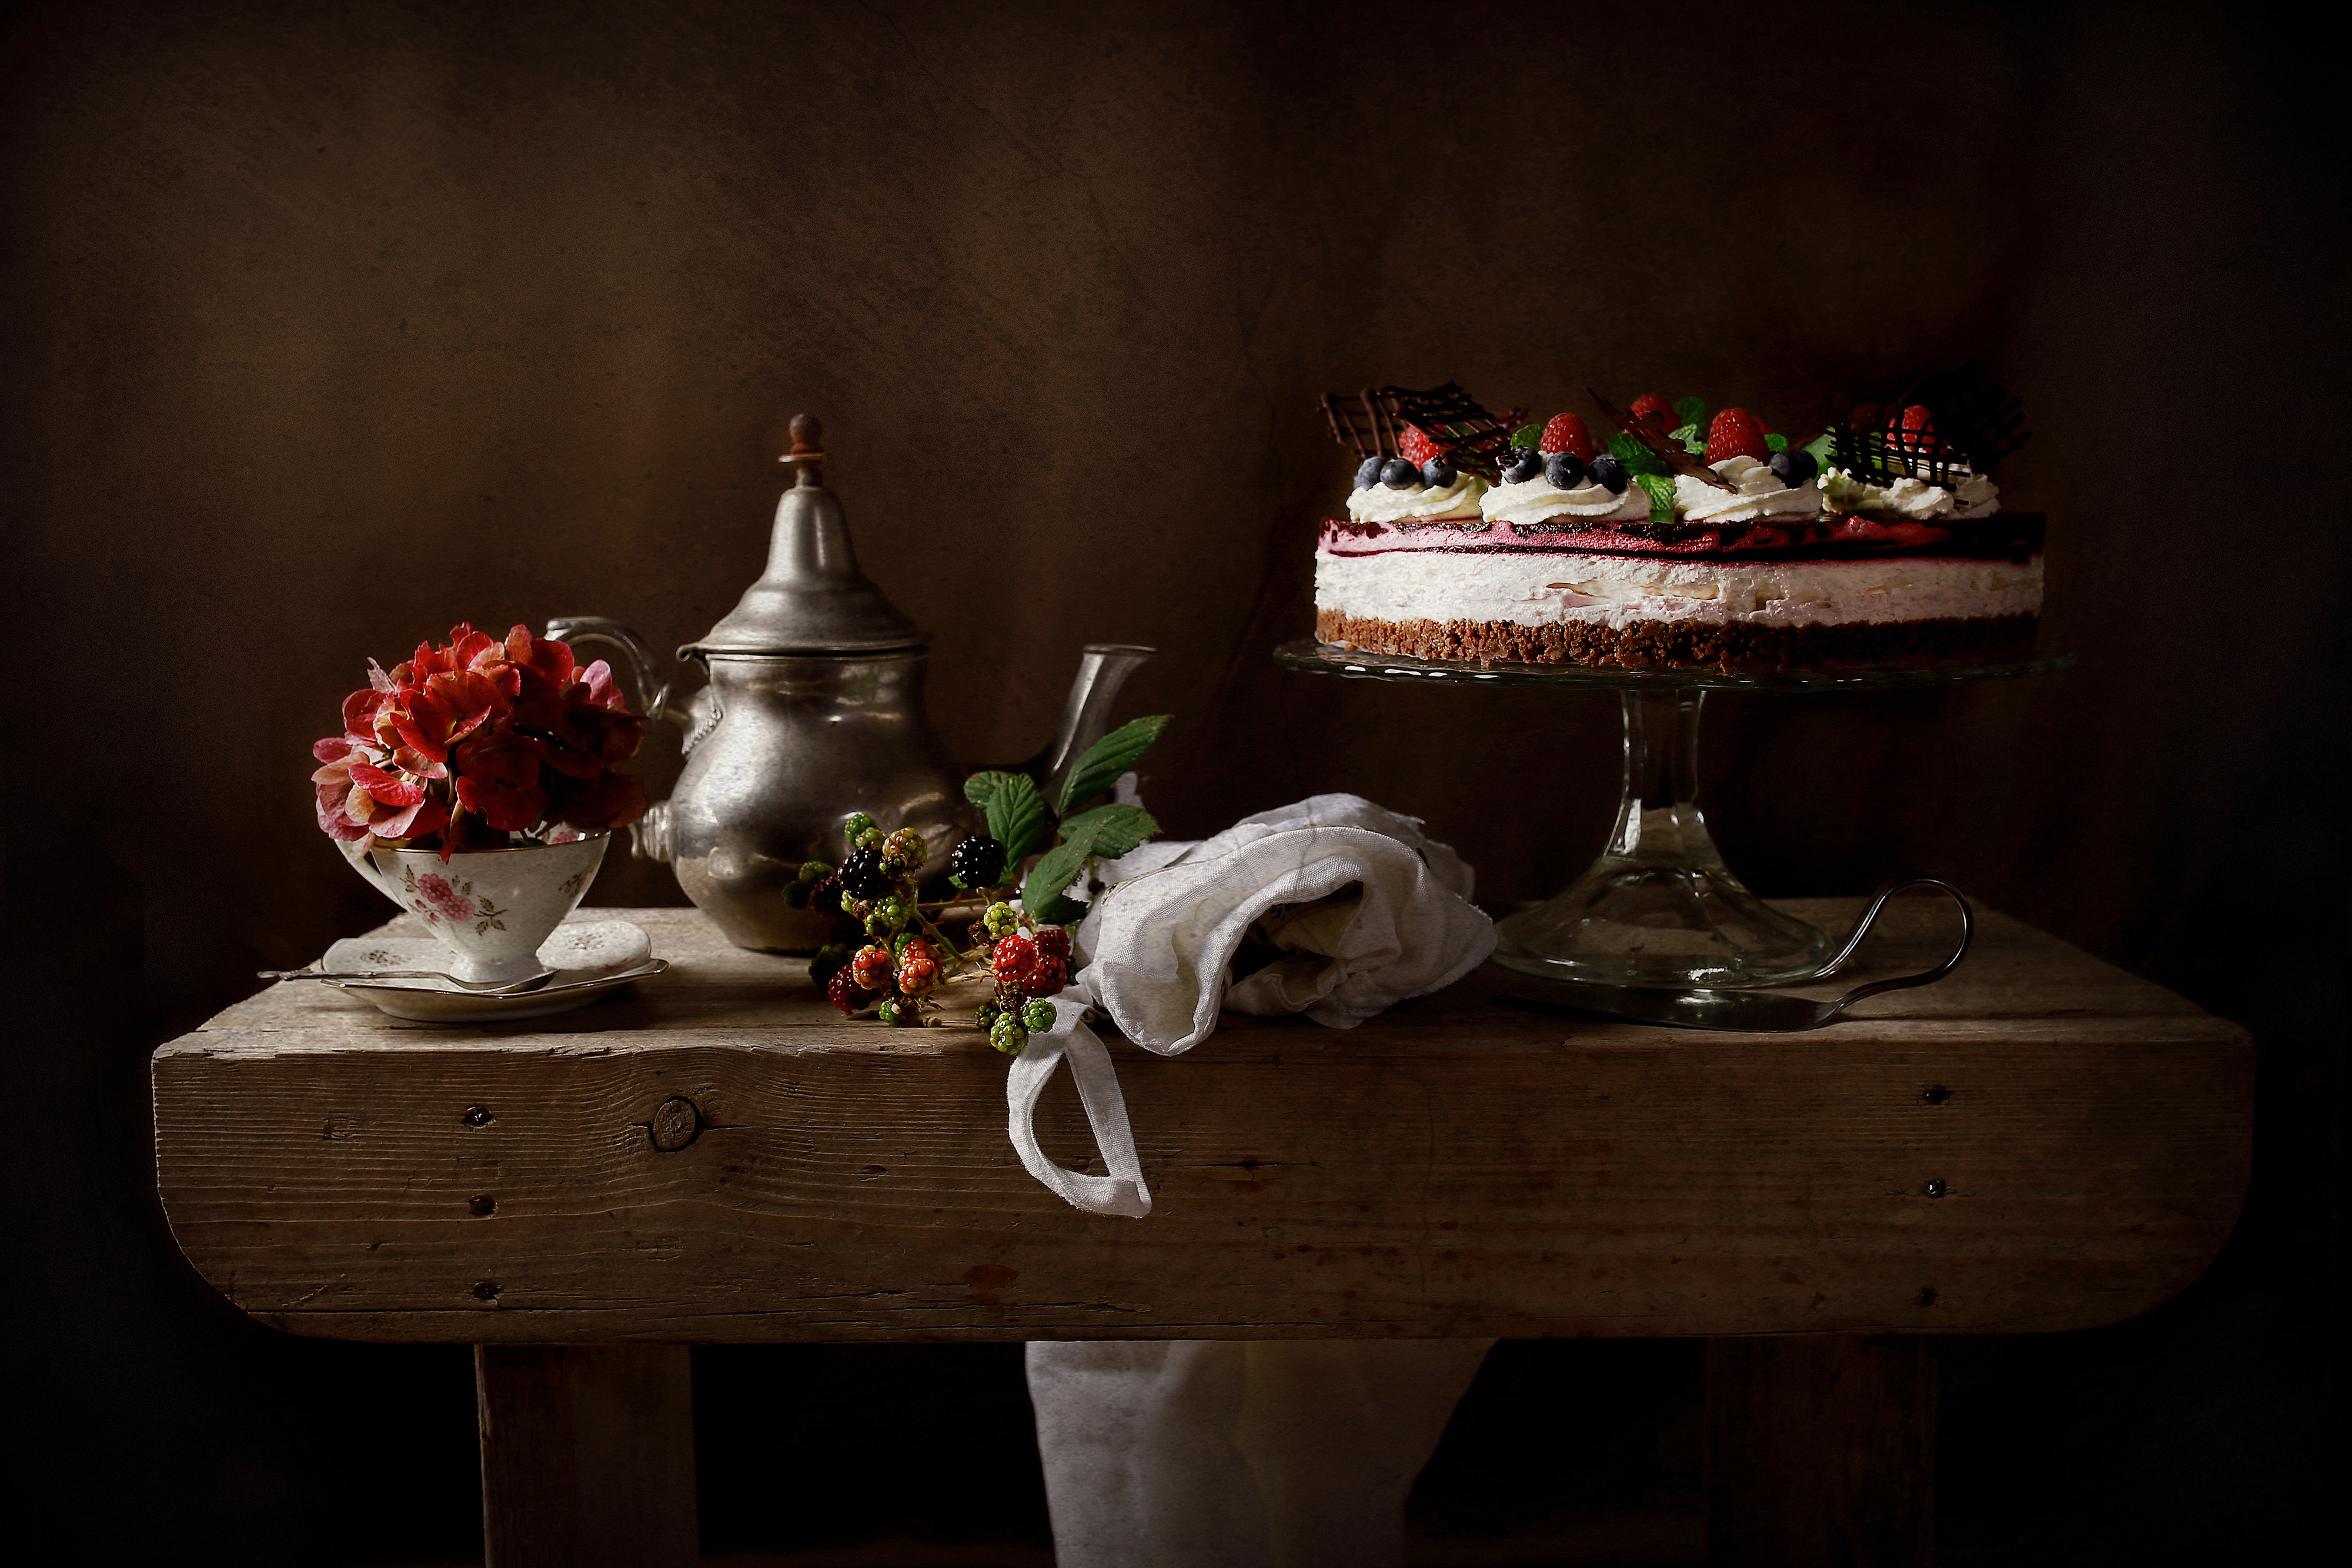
807	454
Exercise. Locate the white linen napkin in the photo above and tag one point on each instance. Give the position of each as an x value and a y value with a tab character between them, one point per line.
1239	1453
1364	909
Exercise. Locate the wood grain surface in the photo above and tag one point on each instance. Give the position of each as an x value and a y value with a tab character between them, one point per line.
587	1456
1821	1448
2041	1142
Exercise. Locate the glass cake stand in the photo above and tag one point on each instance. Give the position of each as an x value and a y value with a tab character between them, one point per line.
1659	907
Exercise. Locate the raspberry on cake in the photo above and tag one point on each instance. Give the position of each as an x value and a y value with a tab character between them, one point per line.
1668	547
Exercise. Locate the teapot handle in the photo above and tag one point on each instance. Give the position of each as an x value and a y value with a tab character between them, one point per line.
656	699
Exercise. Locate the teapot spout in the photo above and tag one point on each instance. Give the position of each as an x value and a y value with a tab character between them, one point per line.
1103	669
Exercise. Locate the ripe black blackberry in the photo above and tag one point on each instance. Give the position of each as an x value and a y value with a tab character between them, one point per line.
862	875
978	862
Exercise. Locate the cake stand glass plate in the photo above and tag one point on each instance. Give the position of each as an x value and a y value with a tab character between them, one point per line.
1659	907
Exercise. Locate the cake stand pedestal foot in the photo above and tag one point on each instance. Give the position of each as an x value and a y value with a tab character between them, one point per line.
1659	907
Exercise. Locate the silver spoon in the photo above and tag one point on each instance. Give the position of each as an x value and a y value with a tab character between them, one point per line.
1746	1012
478	988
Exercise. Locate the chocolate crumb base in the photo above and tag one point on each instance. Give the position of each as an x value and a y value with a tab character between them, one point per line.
1669	644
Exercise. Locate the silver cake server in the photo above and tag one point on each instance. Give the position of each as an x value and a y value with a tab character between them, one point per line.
1745	1013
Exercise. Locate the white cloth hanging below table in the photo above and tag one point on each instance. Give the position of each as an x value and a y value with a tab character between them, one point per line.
1239	1453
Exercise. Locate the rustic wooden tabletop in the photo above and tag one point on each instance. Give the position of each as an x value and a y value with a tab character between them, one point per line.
2041	1142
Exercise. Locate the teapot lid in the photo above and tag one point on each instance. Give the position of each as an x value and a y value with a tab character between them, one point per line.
811	599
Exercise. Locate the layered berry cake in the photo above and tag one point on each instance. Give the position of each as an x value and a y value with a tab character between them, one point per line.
1681	539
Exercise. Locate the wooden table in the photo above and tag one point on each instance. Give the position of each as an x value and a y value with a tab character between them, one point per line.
2041	1143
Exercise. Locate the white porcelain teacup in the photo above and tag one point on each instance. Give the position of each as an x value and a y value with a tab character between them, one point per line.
489	909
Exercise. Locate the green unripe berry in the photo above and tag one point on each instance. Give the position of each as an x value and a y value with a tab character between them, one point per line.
888	1012
858	825
796	895
986	1014
815	870
870	839
1007	1035
1000	920
1038	1015
902	852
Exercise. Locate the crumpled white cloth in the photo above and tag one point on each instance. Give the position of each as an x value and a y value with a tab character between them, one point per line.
1234	1453
1239	1453
1365	909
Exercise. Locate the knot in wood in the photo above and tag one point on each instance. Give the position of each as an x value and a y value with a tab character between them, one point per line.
675	1123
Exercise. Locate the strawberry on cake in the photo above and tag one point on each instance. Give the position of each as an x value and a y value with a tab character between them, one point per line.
1663	547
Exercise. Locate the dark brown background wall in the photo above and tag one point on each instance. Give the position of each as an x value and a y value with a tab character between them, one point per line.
329	325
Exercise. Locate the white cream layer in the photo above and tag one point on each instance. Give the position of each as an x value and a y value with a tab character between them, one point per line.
1613	590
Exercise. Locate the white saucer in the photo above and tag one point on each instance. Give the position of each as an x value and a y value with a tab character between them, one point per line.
589	959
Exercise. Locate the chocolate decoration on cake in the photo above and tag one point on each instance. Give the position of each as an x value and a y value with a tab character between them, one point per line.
1471	438
1971	426
1653	433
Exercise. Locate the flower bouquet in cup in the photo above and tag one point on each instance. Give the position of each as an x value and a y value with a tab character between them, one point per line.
475	786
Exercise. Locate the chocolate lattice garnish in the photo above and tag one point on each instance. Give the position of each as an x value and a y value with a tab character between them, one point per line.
1654	433
1974	426
1372	423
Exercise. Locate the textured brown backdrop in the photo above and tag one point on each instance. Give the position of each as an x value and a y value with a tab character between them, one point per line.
330	325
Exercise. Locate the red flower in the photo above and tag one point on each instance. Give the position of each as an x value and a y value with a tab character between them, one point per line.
513	733
607	801
497	780
450	707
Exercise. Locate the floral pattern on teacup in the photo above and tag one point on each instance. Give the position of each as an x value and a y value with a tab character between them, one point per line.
439	898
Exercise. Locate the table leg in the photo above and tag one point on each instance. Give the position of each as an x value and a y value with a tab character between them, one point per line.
1821	1450
587	1456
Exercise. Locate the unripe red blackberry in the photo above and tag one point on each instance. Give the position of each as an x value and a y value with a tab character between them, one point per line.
1054	942
843	991
918	971
1046	977
1012	958
871	967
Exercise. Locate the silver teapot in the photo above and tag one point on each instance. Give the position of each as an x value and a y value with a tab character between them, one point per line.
813	709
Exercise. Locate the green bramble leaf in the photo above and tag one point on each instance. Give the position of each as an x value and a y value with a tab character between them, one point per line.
1114	829
1058	867
1108	758
1059	911
1637	458
1108	830
1661	491
1528	436
1692	441
1691	411
1776	441
1016	812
